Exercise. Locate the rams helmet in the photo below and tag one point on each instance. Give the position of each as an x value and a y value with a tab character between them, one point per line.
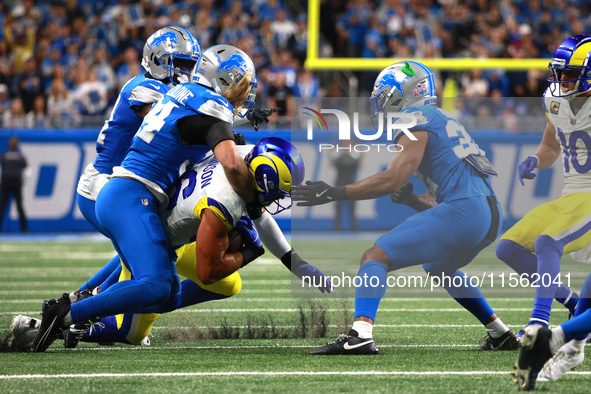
572	55
276	166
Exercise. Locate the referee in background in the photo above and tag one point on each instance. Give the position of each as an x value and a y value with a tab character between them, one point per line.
13	164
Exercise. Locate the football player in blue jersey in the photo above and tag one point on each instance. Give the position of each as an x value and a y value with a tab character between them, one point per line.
203	203
458	218
188	121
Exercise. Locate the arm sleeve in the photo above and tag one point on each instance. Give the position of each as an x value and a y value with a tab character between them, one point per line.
271	235
204	130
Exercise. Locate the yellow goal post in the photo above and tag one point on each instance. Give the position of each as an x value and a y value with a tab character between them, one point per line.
313	62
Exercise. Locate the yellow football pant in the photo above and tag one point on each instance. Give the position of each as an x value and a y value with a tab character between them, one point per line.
186	266
567	220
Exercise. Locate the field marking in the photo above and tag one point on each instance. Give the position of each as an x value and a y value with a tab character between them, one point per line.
299	299
276	373
337	326
291	310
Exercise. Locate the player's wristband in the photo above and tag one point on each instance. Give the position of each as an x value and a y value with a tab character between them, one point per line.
292	259
250	253
537	159
339	193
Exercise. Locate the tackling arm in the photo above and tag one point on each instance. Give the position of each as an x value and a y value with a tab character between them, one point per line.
395	176
235	169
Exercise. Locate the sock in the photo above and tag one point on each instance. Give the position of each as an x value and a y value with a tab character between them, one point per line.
102	274
549	253
68	319
557	339
106	331
367	297
364	329
496	328
523	261
192	294
577	327
470	297
128	296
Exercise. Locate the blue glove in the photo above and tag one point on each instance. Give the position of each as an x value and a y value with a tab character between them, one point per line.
249	232
313	272
526	167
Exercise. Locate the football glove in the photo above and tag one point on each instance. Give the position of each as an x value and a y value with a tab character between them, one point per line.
403	195
239	139
312	272
317	193
249	232
260	115
526	167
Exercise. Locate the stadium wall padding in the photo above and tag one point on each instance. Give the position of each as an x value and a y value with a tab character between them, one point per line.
56	158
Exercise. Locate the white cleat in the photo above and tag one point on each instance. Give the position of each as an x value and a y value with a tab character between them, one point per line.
24	330
145	341
559	364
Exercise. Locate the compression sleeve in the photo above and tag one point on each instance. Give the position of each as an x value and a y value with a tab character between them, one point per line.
204	130
271	235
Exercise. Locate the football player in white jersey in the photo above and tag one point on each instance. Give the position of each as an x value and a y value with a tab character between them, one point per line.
203	209
563	225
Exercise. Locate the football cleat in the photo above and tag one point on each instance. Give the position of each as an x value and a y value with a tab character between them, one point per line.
145	342
348	344
24	330
70	298
51	325
562	362
535	351
74	334
507	341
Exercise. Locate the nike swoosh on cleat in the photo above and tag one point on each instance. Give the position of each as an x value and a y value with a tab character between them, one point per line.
44	337
346	346
499	345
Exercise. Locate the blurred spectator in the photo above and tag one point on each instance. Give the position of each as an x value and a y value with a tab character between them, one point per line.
16	118
13	164
60	105
37	117
5	101
280	96
91	95
28	83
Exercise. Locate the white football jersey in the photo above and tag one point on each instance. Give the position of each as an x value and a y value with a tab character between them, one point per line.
573	132
204	186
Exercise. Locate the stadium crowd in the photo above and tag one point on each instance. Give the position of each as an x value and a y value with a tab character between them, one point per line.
62	62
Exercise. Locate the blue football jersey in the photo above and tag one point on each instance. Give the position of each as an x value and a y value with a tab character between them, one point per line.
445	169
157	151
116	135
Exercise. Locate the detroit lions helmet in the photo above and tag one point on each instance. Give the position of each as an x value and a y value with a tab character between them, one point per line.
572	55
276	166
172	52
231	73
402	85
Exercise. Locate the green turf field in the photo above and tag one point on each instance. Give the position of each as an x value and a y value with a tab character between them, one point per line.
426	344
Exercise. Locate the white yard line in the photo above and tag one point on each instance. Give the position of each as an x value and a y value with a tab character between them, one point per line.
256	373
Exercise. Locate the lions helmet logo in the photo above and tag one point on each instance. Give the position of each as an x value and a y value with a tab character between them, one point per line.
389	80
234	61
169	38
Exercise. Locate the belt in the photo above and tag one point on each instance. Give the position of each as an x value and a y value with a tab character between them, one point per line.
495	218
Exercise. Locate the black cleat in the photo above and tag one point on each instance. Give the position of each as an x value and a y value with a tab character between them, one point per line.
70	298
535	351
74	334
348	344
507	341
51	326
